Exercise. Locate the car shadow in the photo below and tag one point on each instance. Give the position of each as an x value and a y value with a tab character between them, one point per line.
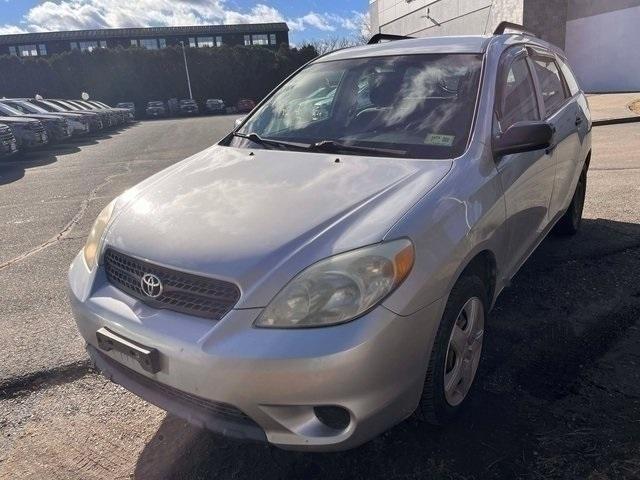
14	168
572	301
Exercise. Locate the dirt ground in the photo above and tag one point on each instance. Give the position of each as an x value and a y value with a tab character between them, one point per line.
558	394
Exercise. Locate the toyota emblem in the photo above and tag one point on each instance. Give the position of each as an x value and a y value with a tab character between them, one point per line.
151	285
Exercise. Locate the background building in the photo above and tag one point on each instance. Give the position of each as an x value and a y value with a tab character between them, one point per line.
600	37
49	43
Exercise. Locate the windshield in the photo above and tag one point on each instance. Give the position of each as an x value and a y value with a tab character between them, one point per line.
26	107
7	110
67	105
420	105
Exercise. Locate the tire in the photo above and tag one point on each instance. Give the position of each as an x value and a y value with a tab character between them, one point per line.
569	223
438	404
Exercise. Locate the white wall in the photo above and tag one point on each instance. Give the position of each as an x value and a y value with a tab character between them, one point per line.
604	50
457	17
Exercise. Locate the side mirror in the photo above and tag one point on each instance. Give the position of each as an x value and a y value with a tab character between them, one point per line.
240	120
524	137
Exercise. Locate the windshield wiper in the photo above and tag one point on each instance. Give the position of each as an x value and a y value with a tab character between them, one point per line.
254	137
333	146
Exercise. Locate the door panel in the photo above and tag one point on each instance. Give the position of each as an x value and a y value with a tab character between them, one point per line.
565	155
527	178
561	112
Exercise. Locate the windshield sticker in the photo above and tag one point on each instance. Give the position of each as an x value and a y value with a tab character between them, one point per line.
439	140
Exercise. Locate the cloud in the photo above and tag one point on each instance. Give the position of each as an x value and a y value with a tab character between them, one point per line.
10	29
51	15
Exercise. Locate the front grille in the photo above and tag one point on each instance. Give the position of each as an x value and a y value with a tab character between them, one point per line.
217	409
36	127
181	292
6	135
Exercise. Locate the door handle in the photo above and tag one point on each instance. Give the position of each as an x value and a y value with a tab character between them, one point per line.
578	121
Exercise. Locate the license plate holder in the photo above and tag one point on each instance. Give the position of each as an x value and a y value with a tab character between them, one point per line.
148	358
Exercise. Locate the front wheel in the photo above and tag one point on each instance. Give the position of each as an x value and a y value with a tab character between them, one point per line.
570	222
456	352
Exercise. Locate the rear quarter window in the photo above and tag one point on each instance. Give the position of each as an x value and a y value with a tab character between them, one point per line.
570	78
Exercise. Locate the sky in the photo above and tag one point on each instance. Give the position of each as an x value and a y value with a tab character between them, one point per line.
308	20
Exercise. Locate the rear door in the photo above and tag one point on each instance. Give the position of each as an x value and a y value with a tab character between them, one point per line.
527	178
561	111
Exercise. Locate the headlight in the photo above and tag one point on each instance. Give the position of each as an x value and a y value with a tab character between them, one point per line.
92	247
340	288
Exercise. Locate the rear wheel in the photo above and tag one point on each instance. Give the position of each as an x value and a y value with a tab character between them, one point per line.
456	352
570	222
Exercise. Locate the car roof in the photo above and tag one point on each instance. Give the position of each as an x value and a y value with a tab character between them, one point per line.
469	44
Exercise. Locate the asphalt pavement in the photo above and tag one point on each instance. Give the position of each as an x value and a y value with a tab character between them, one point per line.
559	395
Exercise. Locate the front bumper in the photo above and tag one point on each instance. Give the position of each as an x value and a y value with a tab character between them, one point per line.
373	367
59	133
8	148
34	139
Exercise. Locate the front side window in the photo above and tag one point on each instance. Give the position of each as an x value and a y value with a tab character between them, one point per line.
551	86
419	106
517	101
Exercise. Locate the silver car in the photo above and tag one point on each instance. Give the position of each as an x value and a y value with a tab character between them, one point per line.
312	280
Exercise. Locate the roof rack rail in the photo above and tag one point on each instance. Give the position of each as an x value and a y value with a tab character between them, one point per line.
500	29
381	37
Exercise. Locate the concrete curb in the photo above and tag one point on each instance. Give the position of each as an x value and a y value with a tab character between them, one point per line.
616	121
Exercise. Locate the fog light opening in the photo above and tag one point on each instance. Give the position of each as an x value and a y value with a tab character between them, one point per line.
337	418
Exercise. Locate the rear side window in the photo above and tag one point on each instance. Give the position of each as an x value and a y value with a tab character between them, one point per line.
551	86
518	97
569	77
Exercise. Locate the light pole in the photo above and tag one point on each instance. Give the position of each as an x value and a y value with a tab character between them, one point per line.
186	67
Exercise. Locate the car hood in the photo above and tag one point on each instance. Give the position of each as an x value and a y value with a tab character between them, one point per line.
259	217
42	117
18	119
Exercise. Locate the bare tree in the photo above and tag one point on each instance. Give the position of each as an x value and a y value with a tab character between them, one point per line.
335	42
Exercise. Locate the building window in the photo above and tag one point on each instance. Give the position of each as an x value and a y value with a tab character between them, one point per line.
192	42
162	42
88	46
205	42
247	40
13	51
149	43
103	44
28	51
134	42
218	41
42	48
272	39
260	39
